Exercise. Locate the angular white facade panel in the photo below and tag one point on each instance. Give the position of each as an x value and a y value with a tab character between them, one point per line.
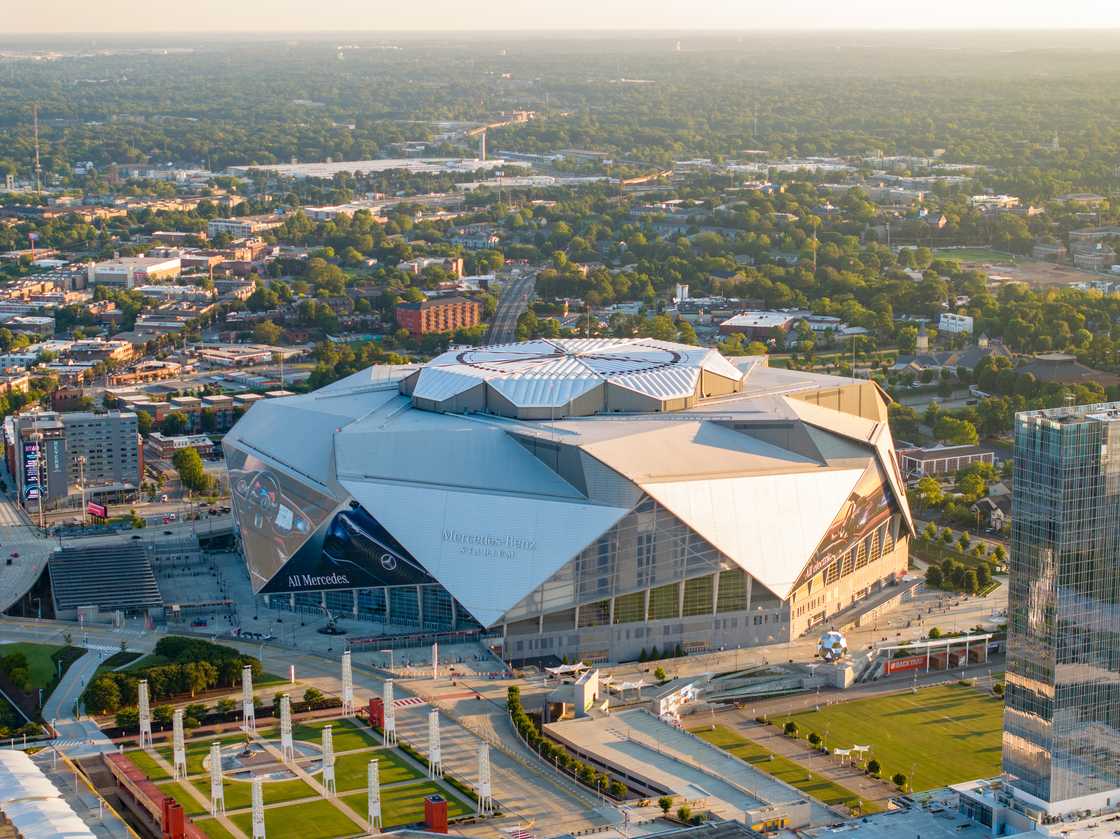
423	447
770	525
488	551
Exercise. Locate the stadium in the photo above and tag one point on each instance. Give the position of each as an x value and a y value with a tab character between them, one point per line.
580	498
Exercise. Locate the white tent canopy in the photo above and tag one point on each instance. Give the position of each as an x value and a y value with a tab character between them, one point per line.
32	804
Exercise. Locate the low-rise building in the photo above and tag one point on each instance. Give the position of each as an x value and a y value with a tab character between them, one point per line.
161	447
451	264
942	460
957	324
99	349
760	325
239	228
131	271
440	314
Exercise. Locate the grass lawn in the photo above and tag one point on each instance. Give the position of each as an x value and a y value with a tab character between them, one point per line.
240	793
146	764
781	767
213	829
350	770
144	662
41	666
405	805
190	806
974	255
313	820
345	735
939	736
197	752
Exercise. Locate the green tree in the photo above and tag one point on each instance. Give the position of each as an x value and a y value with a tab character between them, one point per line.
174	424
873	767
659	674
192	474
103	696
665	802
929	492
267	332
969	583
934	577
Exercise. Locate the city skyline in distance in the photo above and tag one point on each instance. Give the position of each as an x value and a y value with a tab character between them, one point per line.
353	16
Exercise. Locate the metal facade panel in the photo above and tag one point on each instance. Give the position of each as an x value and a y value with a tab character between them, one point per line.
434	449
487	550
770	525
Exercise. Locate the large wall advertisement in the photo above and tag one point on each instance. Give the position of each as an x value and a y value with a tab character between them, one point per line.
352	550
32	484
299	539
868	507
276	513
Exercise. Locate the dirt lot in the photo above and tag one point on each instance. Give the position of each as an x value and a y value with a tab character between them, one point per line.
1035	274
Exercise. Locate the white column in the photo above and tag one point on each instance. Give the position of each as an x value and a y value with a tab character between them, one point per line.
258	809
145	715
217	795
373	787
435	761
347	686
485	800
390	715
287	748
435	661
179	748
328	760
249	716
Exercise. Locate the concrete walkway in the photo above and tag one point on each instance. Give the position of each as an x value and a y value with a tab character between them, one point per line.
690	749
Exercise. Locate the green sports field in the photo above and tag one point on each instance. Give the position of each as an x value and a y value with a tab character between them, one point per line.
974	255
940	735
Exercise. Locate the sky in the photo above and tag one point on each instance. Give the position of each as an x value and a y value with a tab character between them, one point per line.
225	16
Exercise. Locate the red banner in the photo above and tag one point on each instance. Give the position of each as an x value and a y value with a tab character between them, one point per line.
909	662
98	510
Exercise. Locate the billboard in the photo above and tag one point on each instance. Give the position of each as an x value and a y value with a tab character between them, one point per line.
97	510
275	512
909	662
296	538
867	508
352	550
32	484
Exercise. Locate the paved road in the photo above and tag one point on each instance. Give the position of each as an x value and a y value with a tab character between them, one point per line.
18	536
514	301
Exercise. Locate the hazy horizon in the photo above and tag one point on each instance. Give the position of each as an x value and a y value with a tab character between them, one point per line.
78	17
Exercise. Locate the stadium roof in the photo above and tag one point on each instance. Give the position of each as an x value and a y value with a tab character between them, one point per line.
760	471
554	374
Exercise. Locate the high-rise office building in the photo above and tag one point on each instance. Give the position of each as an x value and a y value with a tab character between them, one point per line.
1061	742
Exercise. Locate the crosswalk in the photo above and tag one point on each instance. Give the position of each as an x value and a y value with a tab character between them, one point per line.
408	701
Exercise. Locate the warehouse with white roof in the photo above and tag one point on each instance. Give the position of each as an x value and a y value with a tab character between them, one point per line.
587	498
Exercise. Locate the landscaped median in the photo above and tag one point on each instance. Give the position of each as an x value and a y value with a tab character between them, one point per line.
782	768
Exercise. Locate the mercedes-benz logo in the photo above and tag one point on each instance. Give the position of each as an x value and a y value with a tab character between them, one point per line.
388	562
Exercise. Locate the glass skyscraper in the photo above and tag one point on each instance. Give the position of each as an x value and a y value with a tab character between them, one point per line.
1061	741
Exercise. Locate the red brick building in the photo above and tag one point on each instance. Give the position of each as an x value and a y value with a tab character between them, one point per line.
440	314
